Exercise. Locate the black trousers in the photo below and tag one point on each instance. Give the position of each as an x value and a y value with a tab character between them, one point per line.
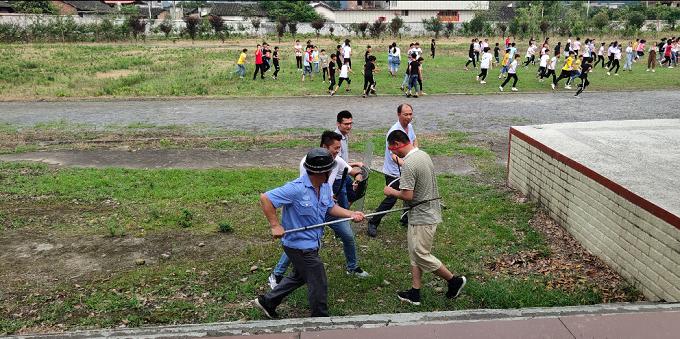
432	52
615	63
276	69
563	75
265	65
387	203
549	73
541	72
611	59
471	59
324	71
368	82
584	83
307	269
482	74
600	59
331	79
344	79
298	61
259	68
511	76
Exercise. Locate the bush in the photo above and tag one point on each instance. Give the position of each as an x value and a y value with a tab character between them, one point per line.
635	21
256	22
281	23
396	24
433	24
166	27
448	31
137	25
292	28
361	28
318	25
377	29
192	25
186	218
225	227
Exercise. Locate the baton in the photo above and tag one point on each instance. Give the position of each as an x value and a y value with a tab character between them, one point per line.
366	215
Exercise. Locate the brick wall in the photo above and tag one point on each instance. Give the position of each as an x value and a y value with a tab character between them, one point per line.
642	246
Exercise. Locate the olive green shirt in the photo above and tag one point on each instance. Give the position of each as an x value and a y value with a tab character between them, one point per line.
417	175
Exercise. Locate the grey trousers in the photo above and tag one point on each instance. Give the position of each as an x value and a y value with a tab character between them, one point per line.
307	269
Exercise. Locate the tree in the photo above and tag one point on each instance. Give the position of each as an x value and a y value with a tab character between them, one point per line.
433	24
476	25
217	24
600	21
544	27
318	25
137	25
377	29
166	27
448	32
635	21
502	27
361	28
192	22
396	24
292	28
193	4
281	23
295	10
256	22
34	7
671	16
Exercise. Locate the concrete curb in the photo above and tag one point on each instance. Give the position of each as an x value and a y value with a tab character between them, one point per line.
359	321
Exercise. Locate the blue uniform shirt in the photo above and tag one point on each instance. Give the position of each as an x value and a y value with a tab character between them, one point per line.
302	208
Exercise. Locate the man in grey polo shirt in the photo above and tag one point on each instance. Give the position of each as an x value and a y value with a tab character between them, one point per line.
392	163
418	188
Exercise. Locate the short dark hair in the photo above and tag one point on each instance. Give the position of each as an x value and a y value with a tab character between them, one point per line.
333	55
344	115
323	50
398	136
401	107
327	138
244	50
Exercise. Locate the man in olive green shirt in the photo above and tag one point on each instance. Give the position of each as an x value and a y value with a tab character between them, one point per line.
418	188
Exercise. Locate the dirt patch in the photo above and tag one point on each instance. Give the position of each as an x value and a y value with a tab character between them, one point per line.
127	157
115	74
41	259
569	264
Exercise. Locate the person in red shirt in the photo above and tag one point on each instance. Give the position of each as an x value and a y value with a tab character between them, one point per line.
667	53
259	65
507	42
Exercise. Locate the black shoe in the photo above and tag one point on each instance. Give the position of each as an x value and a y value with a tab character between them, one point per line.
268	311
456	285
411	296
372	230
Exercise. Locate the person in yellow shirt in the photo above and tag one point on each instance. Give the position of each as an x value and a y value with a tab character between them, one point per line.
575	71
566	71
241	64
504	63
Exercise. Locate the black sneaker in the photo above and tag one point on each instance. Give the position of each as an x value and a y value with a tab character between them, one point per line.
456	285
268	311
411	296
372	230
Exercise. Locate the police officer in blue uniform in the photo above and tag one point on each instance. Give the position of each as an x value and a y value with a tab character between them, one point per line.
305	201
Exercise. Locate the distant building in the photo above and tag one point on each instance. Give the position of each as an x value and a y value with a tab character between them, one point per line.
82	8
409	11
5	7
233	11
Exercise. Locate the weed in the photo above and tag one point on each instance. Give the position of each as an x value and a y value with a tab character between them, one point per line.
186	218
225	227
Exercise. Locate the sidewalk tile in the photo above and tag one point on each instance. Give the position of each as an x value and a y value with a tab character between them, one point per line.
652	325
548	328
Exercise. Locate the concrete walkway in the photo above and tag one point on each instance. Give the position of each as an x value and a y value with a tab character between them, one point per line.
474	113
643	320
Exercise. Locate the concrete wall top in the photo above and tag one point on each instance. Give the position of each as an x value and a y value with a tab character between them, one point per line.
638	159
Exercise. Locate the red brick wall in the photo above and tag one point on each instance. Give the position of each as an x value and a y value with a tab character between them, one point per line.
64	8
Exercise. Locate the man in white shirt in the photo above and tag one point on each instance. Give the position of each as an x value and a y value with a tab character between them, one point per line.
391	167
344	126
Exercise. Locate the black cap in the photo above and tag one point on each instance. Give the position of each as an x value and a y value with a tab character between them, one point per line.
319	160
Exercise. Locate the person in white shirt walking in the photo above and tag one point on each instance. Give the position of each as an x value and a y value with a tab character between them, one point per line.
542	66
617	59
512	74
485	65
630	55
551	68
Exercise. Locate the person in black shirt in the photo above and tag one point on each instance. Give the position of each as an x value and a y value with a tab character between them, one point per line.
414	73
558	48
496	53
367	54
369	82
266	56
471	56
275	61
331	74
433	45
586	66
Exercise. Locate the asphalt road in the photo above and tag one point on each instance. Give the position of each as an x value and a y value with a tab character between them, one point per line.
473	113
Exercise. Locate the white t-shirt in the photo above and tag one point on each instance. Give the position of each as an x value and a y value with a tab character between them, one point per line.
569	45
586	52
530	51
418	51
513	67
347	52
611	50
486	60
629	49
617	54
344	71
544	60
553	63
396	53
600	51
577	45
483	45
476	46
336	173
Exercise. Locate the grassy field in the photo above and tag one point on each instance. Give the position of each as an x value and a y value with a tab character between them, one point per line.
482	225
53	71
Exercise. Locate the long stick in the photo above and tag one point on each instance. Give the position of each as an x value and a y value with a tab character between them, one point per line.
366	215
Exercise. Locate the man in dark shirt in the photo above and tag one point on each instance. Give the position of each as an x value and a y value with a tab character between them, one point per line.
331	74
433	46
369	82
586	66
275	60
471	56
414	74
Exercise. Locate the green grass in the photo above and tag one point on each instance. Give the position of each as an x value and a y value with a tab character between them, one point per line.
33	71
481	224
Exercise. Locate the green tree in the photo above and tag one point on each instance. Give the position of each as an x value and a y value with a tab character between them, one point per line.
476	25
256	22
395	26
448	31
34	7
217	24
672	15
361	28
137	26
433	24
292	28
281	23
295	10
600	21
635	21
192	22
377	29
502	27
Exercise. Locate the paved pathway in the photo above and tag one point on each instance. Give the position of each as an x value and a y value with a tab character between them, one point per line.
619	321
477	113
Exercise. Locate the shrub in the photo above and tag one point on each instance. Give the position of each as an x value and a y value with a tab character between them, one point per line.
448	31
217	24
256	22
435	25
361	28
192	25
186	218
166	27
292	28
377	29
137	25
396	24
635	21
225	227
318	25
281	23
